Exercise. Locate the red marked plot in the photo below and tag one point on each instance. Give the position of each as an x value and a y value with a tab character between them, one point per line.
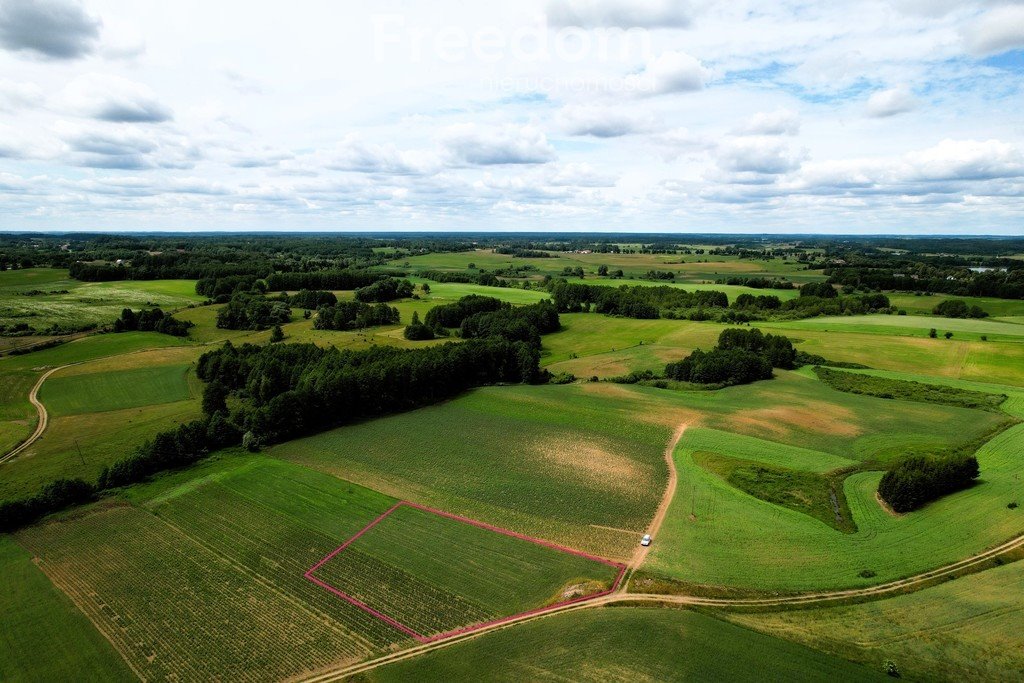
413	632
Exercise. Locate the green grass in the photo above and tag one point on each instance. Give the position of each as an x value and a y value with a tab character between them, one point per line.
997	308
967	629
115	390
548	461
435	574
42	634
203	577
85	302
623	644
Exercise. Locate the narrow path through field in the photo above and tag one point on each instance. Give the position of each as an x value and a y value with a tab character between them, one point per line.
33	397
640	554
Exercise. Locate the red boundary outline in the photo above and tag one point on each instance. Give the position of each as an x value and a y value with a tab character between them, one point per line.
475	627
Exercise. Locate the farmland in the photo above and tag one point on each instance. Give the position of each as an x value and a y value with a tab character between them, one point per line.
380	547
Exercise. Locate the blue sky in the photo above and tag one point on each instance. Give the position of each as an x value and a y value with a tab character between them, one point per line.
894	116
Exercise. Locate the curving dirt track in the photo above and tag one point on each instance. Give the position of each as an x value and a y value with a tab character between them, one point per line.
666	500
33	398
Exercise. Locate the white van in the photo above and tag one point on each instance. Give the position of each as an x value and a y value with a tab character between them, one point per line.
646	540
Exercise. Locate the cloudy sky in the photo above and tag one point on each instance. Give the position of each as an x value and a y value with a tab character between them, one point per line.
659	115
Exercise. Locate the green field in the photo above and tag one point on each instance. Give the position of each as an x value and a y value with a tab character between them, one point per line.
968	629
434	574
624	644
42	634
911	325
579	465
115	390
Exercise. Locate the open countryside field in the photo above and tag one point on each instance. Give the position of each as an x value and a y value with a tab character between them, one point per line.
115	390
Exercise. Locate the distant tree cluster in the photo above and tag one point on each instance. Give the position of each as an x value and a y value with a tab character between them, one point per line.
151	320
417	331
917	480
451	315
514	323
958	308
387	289
757	282
517	252
822	290
740	357
347	315
311	299
252	312
220	289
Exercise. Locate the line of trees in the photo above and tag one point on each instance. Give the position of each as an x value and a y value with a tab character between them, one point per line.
958	308
631	302
311	299
345	278
151	320
917	480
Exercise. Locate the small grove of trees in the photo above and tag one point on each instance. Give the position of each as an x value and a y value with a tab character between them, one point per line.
416	330
451	315
347	315
56	495
387	289
740	357
958	308
915	481
151	320
252	312
632	302
345	278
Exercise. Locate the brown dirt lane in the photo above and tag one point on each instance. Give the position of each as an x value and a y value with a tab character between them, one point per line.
640	554
33	398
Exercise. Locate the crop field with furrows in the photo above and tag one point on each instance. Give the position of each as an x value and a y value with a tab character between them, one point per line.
42	634
209	583
717	534
796	410
570	464
435	574
625	644
967	629
42	297
115	390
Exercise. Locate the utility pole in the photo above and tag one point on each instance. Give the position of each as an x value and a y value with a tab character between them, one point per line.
79	448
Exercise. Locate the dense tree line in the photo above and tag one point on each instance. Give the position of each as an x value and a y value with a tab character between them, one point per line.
856	304
293	389
252	312
220	289
486	279
1005	282
151	320
917	480
56	495
388	289
347	315
740	357
958	308
518	252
